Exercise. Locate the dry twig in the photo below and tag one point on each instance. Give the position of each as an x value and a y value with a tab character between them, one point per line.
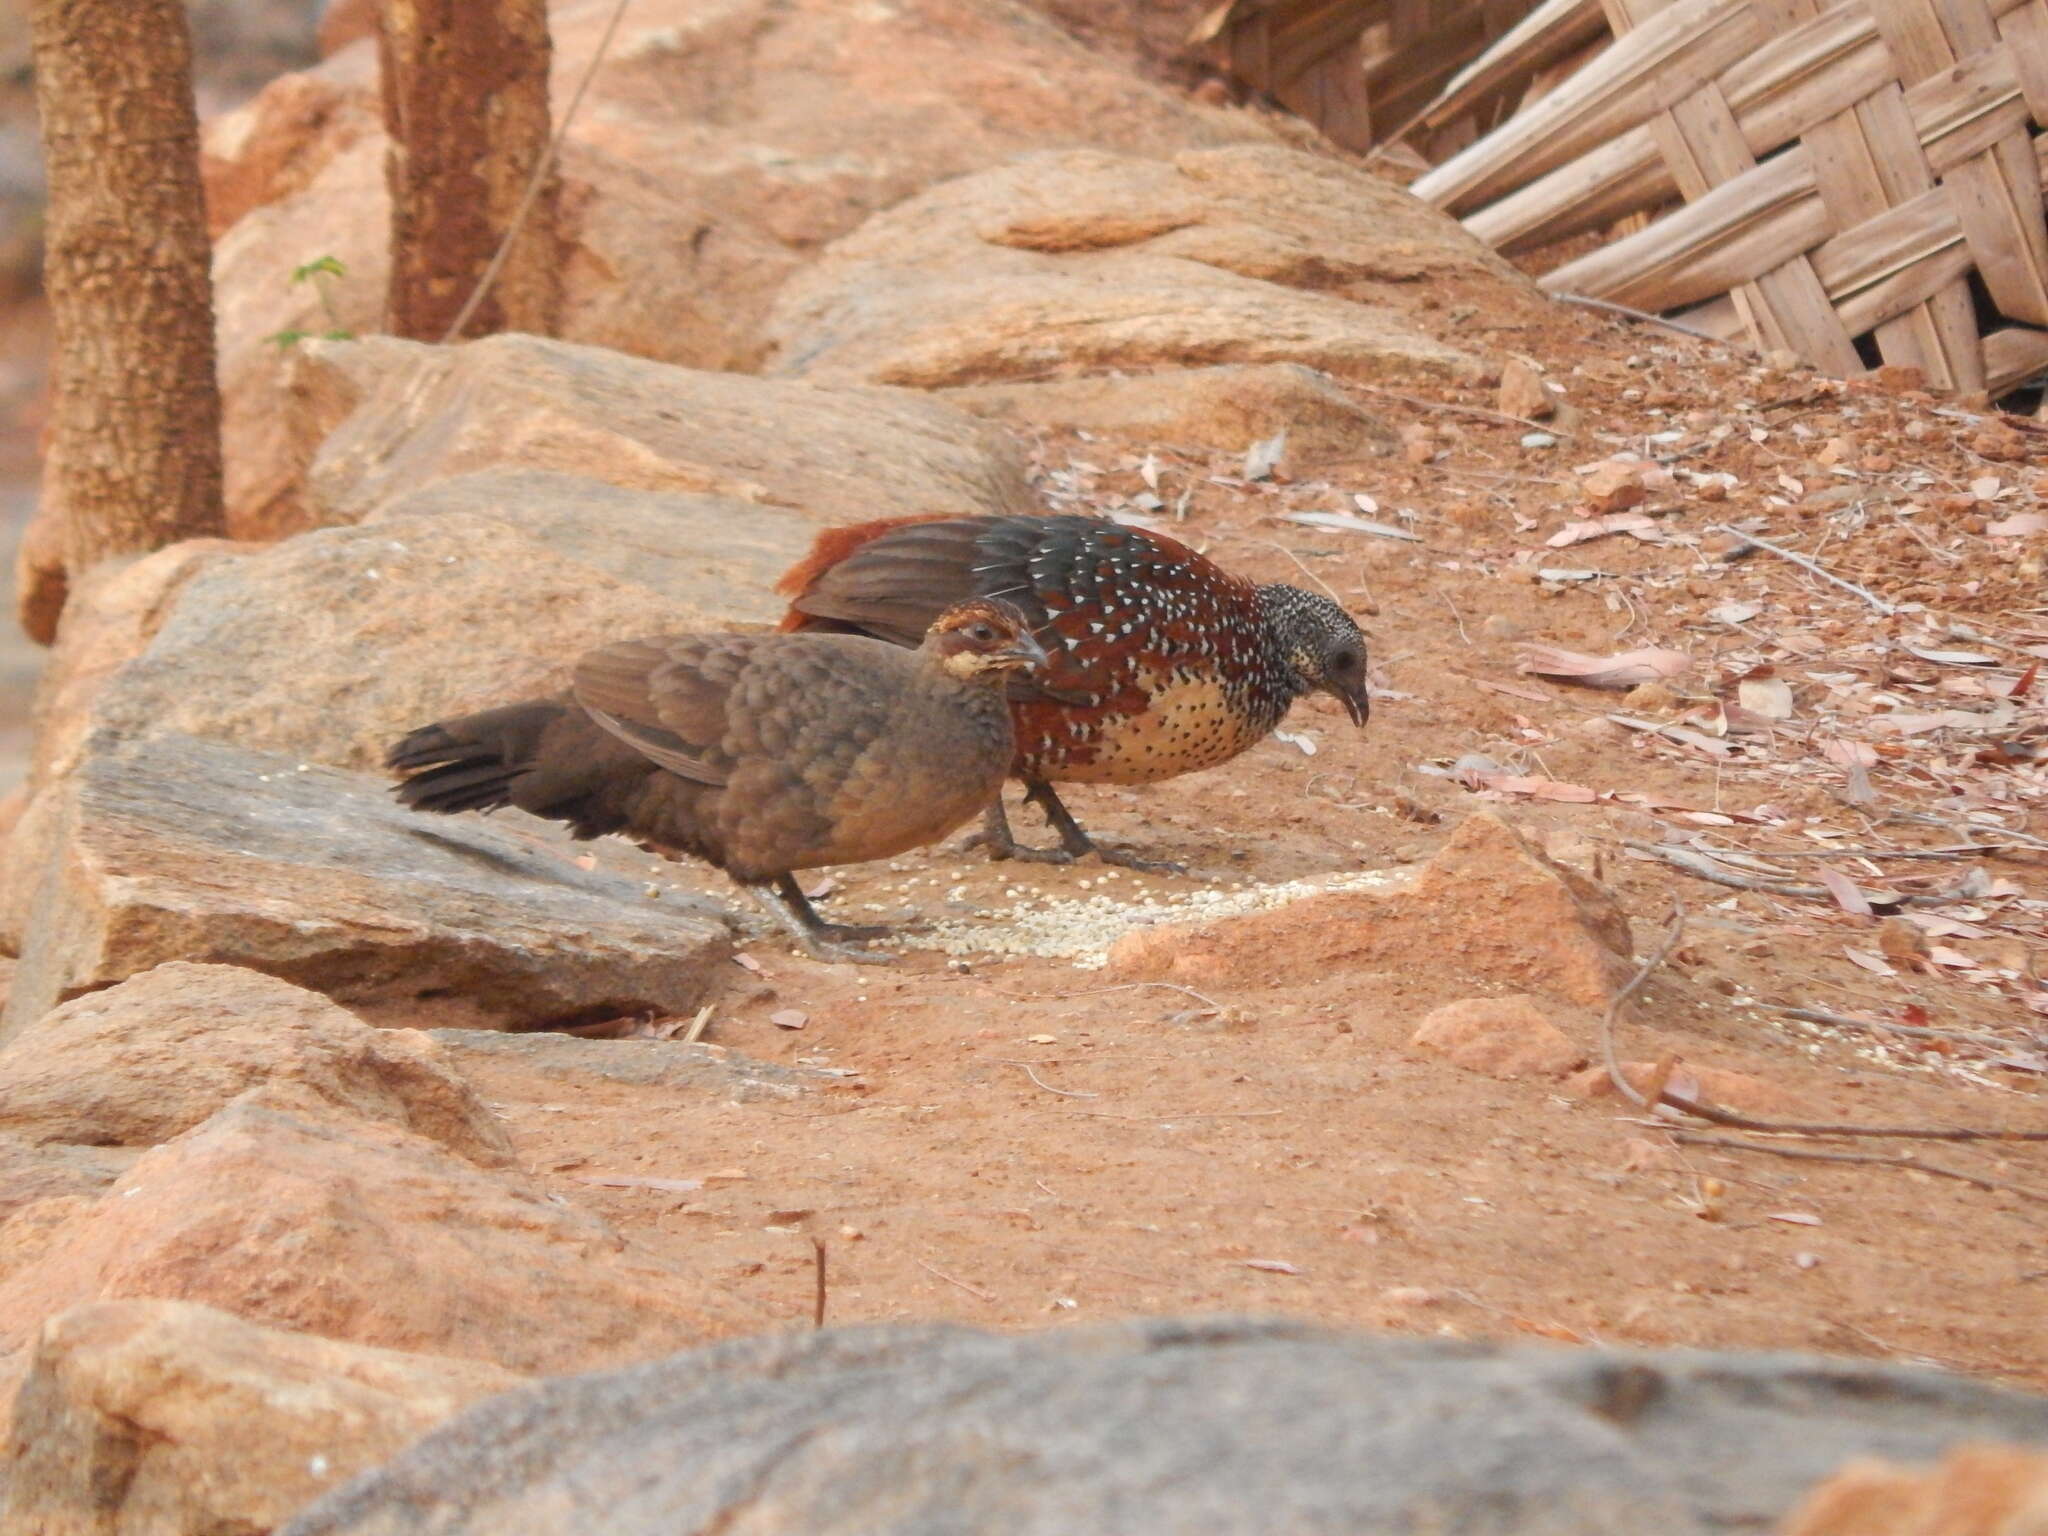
1807	563
1717	1116
818	1292
1703	866
1479	411
1880	1159
975	1291
1609	307
1065	1093
1850	1021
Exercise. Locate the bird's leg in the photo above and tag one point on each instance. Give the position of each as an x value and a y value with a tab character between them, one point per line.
1001	843
1076	843
785	901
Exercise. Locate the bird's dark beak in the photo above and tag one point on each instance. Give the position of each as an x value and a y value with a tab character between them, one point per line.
1024	651
1356	701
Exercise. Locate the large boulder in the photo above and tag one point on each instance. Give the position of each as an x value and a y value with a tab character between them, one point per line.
391	415
1488	904
32	1171
719	147
174	848
1218	1426
1086	261
169	1417
148	1059
356	1231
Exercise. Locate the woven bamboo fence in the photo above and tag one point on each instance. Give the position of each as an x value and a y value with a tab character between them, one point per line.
1855	183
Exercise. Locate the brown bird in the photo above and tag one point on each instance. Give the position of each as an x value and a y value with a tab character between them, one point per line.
1161	661
759	754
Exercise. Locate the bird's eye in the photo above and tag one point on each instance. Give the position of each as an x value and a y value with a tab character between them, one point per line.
980	633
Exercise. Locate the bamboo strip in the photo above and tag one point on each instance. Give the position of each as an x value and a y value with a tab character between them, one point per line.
1997	199
1552	31
1656	64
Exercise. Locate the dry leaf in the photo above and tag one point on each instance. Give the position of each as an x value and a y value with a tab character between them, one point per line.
1844	890
1579	530
1796	1218
1533	695
1261	459
1344	522
1953	658
1272	1266
1870	960
635	1181
2018	525
1629	669
1848	752
1770	697
1540	789
747	963
1733	613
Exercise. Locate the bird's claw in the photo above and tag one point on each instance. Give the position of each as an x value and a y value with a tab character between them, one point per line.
1125	859
829	953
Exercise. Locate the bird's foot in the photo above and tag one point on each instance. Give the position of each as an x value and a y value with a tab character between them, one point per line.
998	852
1075	843
856	933
1125	859
823	949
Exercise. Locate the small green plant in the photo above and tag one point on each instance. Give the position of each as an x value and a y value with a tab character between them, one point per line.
322	273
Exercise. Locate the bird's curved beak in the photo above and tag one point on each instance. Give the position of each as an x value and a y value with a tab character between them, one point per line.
1357	702
1024	652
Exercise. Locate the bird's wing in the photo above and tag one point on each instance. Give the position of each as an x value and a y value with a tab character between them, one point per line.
888	579
666	698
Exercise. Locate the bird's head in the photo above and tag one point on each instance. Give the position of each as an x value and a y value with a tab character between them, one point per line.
1323	645
983	641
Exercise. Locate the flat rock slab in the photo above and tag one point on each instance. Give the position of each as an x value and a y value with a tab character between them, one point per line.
216	1424
1214	1427
694	1068
32	1171
402	413
360	1231
138	1063
180	849
1088	262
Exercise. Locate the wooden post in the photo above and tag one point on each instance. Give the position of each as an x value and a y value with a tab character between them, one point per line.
465	86
135	431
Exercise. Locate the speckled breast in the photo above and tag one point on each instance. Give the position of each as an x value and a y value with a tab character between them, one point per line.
1185	722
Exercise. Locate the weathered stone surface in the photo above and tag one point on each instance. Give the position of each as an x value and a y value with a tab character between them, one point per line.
143	1061
30	1172
179	849
1500	1036
395	414
720	146
702	1069
1488	907
163	1416
1217	1426
332	645
1228	408
1977	1490
364	1232
117	608
1085	261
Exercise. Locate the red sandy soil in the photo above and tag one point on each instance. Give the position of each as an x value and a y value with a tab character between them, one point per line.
1023	1142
